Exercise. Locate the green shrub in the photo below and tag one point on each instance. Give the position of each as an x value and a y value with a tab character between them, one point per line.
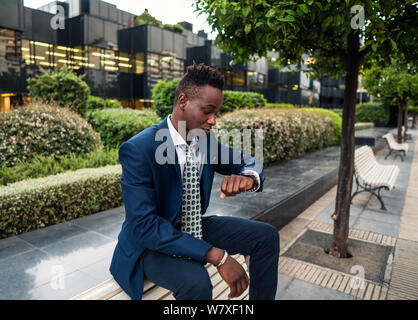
99	103
164	92
363	125
280	105
338	111
173	27
163	95
372	112
287	133
239	100
64	87
31	204
118	125
41	166
334	117
42	129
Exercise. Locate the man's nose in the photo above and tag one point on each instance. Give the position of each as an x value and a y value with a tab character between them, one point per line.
212	120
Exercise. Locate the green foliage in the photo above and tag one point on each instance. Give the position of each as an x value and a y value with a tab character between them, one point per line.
44	129
280	105
287	133
241	99
173	27
334	117
338	111
393	84
377	113
413	109
64	87
99	103
36	203
41	166
164	92
146	18
163	95
118	125
293	28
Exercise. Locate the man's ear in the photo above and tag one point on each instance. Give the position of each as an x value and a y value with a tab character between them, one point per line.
182	101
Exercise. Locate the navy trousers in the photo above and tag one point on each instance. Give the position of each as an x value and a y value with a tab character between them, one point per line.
189	280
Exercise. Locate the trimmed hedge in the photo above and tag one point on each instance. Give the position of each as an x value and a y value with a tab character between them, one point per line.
99	103
287	133
164	93
63	87
240	99
41	166
42	129
31	204
118	125
372	112
280	105
334	117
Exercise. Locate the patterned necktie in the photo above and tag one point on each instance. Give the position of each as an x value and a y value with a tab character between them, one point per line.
191	218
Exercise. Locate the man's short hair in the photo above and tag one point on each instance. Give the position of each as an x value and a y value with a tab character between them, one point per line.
198	75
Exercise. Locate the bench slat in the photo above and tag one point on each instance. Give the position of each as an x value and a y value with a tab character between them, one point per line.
110	290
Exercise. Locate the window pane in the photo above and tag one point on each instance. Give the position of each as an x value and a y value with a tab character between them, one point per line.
139	63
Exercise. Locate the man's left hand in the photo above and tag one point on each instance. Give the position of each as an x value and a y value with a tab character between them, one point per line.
235	184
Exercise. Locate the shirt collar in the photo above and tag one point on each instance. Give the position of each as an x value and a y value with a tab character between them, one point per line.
177	138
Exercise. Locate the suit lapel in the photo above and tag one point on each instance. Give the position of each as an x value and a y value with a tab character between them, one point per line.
172	158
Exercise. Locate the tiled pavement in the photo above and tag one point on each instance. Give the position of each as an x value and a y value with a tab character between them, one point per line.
61	261
397	227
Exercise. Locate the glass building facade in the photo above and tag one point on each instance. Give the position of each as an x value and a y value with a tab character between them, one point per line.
292	86
119	60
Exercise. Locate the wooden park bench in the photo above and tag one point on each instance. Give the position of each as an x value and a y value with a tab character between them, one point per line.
395	147
371	176
110	290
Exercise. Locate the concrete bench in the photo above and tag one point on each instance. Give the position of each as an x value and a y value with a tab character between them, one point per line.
395	147
371	176
110	290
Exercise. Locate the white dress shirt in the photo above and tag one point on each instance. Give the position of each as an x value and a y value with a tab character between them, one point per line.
198	155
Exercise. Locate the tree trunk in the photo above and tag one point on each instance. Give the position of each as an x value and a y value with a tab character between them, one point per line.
405	119
339	245
414	118
400	115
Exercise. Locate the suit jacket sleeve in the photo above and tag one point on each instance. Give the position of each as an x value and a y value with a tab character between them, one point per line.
231	161
144	226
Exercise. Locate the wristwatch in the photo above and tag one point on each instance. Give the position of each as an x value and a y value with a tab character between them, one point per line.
255	181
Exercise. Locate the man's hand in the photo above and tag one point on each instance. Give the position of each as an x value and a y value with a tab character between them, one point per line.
235	276
231	272
235	184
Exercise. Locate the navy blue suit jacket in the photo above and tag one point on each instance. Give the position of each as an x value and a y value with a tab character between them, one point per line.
152	195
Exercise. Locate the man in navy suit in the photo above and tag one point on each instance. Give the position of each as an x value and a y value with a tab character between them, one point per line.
167	175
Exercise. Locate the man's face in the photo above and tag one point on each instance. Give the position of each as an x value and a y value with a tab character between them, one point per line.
200	111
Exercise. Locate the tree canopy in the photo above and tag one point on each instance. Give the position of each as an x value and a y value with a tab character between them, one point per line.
318	28
341	35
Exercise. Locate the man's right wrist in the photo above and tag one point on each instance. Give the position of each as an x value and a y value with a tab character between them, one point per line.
214	255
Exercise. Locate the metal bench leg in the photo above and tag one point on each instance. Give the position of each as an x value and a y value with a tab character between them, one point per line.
379	197
390	152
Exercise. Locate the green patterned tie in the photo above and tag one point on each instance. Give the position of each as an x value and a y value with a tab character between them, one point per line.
191	217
